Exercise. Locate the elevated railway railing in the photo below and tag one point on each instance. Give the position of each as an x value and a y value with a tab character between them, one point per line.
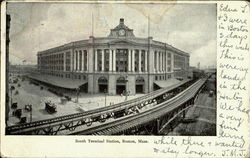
168	109
70	122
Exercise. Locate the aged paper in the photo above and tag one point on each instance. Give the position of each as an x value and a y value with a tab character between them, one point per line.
232	134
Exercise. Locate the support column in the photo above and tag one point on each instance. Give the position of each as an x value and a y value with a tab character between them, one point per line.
112	85
76	56
146	61
102	59
130	86
133	60
75	60
129	60
71	60
157	126
79	59
114	60
64	61
163	63
157	61
87	62
95	60
139	66
110	60
83	53
166	62
160	62
183	113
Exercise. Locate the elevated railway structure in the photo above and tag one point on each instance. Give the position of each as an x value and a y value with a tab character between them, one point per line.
151	121
163	103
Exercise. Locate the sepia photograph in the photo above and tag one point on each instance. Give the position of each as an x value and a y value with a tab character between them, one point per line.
111	69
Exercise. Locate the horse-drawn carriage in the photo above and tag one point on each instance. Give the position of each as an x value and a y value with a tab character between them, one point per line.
50	107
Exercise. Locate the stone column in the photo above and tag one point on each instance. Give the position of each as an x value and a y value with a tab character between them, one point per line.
129	60
64	61
160	61
95	60
131	84
163	63
76	67
133	60
102	59
87	61
160	58
83	53
79	59
146	60
114	60
112	85
110	60
75	60
166	62
139	65
71	61
157	61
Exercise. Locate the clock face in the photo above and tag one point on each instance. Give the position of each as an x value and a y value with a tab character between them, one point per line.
121	32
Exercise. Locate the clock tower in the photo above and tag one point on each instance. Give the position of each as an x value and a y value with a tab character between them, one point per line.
121	31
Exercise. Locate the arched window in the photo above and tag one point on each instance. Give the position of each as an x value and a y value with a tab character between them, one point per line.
102	80
121	80
140	80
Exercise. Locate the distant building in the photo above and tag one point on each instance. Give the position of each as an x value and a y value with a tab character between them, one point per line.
114	64
191	71
199	65
22	69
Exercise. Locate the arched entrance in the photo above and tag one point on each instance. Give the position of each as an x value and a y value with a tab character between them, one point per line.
139	85
84	88
121	85
103	85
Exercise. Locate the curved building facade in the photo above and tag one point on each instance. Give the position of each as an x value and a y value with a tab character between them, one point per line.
114	64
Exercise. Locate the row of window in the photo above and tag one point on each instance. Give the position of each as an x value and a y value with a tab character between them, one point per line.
179	61
51	62
162	77
72	76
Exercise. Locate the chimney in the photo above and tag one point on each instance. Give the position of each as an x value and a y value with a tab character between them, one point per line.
121	21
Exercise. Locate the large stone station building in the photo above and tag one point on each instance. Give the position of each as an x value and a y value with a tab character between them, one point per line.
115	64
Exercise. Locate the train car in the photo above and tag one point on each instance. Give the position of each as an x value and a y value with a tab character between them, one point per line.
100	118
120	113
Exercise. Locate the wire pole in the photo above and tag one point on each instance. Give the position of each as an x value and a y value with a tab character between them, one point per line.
148	54
30	113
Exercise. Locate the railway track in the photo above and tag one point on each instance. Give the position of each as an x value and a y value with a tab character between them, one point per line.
131	121
67	118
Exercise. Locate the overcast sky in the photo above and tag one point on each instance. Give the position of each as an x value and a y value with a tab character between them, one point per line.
40	26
